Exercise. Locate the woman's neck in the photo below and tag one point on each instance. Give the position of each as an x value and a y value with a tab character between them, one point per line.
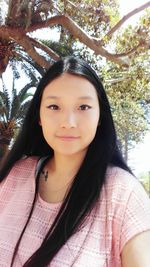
65	166
58	175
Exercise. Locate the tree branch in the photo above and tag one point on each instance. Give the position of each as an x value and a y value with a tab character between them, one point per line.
45	48
129	52
19	35
23	40
29	48
126	17
30	61
79	34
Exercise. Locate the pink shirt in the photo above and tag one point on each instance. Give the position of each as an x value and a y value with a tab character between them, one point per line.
122	212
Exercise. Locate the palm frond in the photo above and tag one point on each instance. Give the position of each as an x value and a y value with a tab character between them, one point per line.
22	112
14	103
7	96
23	93
14	67
5	100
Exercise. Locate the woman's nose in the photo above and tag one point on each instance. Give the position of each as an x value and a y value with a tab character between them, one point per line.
68	120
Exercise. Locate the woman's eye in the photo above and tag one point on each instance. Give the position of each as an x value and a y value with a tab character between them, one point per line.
53	107
85	107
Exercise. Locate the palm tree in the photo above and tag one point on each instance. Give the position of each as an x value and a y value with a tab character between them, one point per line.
13	108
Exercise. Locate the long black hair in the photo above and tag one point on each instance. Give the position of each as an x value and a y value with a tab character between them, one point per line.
86	187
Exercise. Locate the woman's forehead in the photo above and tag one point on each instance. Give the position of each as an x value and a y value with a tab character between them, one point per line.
67	84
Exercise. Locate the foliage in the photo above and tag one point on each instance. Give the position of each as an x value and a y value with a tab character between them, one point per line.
129	88
13	108
62	48
145	179
134	38
92	30
129	92
90	22
95	17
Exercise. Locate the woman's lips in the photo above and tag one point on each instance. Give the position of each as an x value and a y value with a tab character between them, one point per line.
68	138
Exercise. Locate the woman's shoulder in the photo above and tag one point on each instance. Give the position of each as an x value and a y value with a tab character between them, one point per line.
120	185
128	204
24	165
22	169
21	176
26	162
119	178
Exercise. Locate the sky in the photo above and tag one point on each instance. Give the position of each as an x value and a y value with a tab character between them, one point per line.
139	157
128	5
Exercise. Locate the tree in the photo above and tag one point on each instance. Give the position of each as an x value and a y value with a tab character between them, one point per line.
128	92
12	111
91	29
91	22
129	88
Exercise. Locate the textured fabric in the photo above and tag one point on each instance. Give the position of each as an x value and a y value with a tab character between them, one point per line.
122	212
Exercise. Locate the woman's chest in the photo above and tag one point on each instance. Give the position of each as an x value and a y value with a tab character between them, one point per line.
90	246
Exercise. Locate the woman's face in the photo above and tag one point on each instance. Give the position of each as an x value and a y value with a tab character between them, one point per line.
69	114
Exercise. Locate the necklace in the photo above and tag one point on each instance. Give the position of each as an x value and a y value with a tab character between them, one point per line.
44	173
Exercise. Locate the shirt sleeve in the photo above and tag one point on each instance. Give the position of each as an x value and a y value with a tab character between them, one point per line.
136	218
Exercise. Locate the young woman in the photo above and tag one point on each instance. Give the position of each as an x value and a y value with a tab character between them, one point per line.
66	196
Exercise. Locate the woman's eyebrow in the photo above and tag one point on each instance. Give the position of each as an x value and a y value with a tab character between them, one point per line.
86	97
52	97
81	97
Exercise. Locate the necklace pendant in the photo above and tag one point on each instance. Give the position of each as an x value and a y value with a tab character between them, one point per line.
45	174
